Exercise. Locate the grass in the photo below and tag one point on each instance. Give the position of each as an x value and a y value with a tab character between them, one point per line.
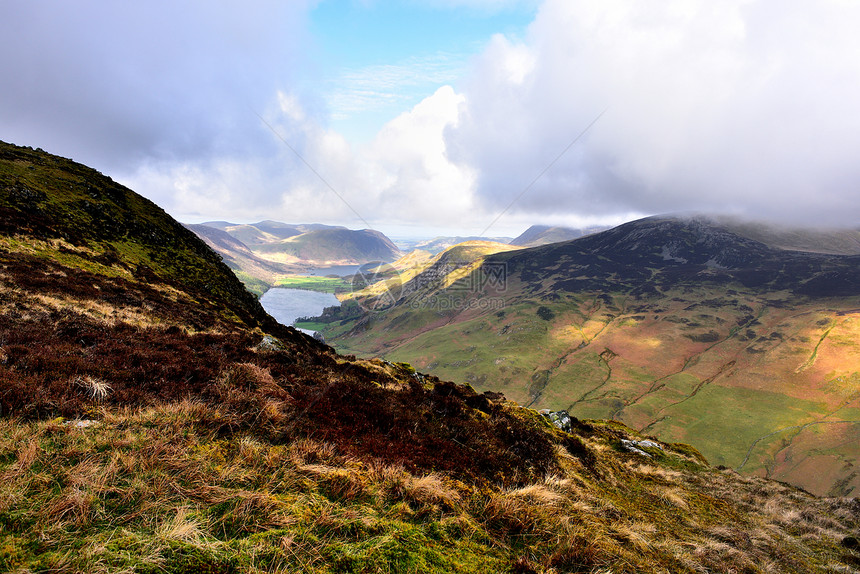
310	325
253	284
722	394
159	489
314	283
99	226
145	428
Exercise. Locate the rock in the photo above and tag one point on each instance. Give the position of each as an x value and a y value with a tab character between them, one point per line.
561	419
270	344
319	337
636	446
81	423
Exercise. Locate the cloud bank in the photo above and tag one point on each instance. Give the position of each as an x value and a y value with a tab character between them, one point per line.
742	106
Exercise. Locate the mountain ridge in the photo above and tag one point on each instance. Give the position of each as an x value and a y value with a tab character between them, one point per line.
653	323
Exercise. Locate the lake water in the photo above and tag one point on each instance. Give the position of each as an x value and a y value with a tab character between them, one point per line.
287	305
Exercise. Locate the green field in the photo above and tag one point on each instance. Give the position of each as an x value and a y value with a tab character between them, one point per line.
315	283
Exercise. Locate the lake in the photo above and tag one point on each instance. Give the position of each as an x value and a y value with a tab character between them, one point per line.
287	305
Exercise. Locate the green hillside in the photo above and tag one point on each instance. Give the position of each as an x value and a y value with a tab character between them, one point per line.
79	211
153	424
683	330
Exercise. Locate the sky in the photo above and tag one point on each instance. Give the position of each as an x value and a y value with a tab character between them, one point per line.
444	117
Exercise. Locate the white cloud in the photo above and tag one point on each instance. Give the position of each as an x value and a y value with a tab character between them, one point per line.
402	177
745	106
741	105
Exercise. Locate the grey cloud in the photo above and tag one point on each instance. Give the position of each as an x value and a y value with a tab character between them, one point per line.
742	107
117	83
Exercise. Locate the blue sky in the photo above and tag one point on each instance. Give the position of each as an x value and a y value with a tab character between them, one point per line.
380	59
448	116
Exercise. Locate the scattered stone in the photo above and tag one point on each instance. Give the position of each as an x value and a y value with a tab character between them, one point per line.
561	419
81	423
270	344
636	446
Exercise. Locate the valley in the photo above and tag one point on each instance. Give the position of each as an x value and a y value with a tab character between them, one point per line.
759	369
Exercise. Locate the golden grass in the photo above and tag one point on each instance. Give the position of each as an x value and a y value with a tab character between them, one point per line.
149	483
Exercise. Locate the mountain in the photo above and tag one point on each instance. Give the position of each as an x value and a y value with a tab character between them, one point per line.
815	240
677	327
153	419
265	232
325	247
310	245
256	273
544	234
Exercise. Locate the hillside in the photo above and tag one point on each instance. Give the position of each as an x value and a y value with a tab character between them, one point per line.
679	328
311	245
256	273
544	234
815	240
147	427
332	247
439	244
263	232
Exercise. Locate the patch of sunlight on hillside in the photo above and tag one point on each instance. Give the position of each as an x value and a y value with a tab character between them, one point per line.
567	334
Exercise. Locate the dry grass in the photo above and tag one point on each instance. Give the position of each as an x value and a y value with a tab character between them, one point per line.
97	310
155	487
93	387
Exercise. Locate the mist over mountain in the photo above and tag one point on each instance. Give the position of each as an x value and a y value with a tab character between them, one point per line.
544	234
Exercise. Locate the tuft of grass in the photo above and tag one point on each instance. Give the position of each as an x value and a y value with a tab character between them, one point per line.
93	387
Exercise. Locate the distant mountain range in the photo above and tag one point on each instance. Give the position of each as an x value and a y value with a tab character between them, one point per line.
437	244
680	327
311	245
261	253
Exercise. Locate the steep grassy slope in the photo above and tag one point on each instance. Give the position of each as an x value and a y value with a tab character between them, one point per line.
146	428
85	215
683	330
